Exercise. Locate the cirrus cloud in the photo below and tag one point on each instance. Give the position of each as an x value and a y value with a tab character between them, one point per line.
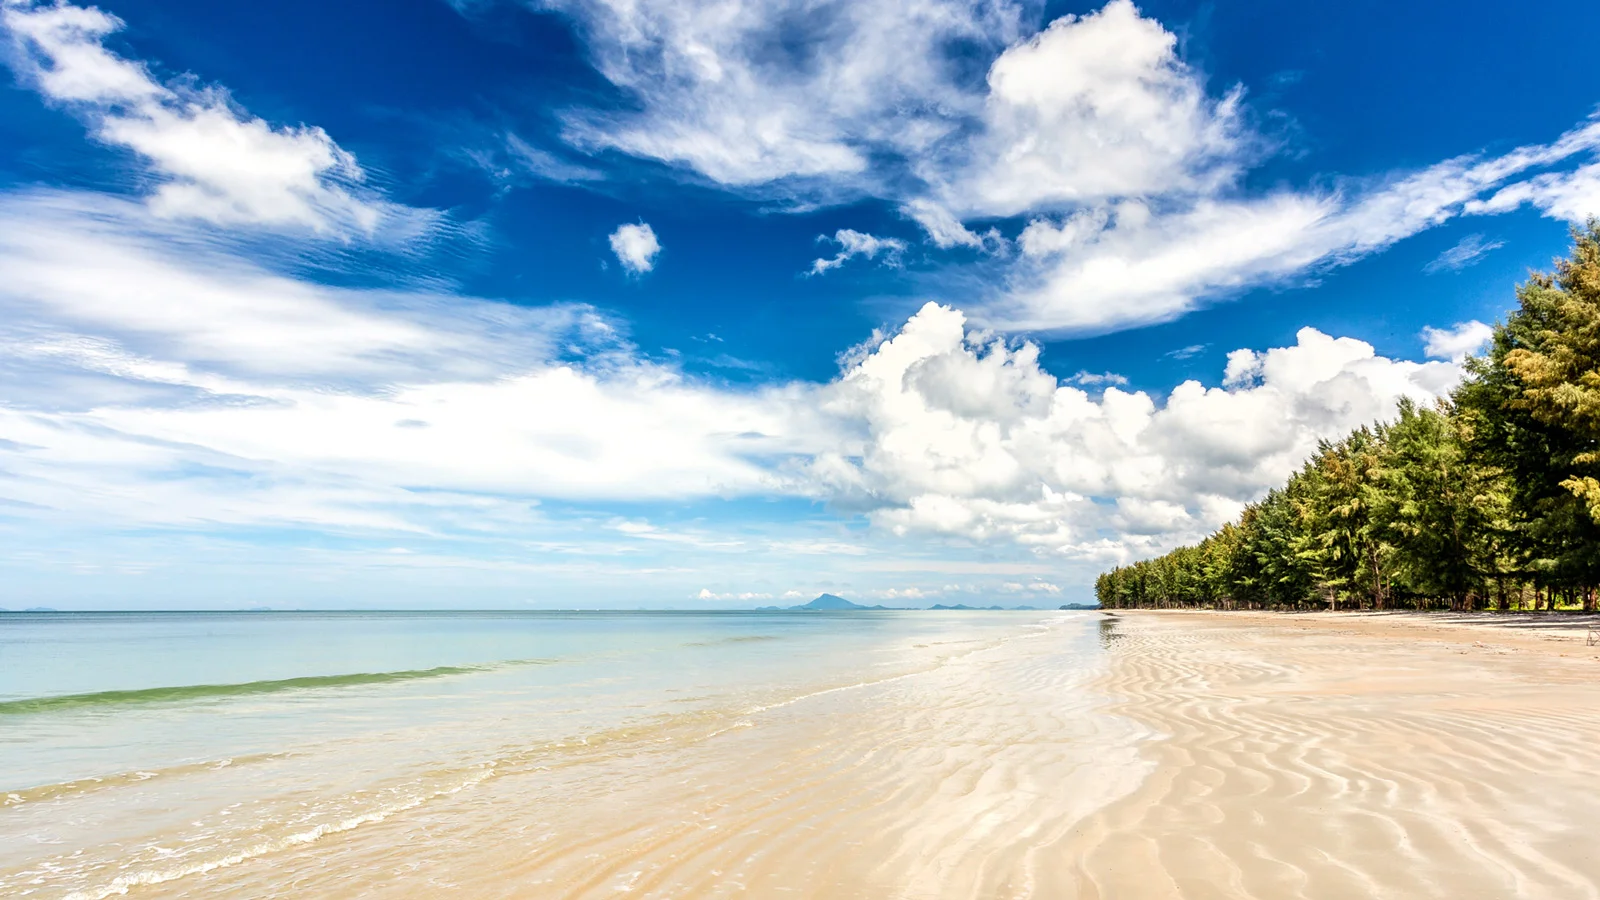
214	161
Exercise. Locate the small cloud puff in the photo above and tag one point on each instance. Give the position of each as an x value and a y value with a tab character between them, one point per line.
854	243
1096	379
708	594
636	247
1458	343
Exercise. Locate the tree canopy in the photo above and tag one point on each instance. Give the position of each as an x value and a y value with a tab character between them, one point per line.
1491	496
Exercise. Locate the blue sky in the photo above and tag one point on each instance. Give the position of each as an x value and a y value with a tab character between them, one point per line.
718	304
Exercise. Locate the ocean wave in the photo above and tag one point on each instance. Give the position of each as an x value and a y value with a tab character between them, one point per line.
188	692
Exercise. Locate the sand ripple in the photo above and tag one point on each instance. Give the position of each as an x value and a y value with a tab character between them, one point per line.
1332	761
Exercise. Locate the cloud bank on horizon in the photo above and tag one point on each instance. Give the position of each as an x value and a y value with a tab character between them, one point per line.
202	358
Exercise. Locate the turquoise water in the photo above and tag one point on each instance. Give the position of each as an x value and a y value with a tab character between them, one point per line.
90	694
126	735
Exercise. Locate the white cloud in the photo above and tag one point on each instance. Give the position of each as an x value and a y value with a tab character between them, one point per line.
636	247
829	100
1129	167
854	243
905	593
1468	251
1014	456
1094	379
161	380
751	93
1130	263
287	401
216	162
1037	587
1092	108
169	291
708	594
1573	196
544	164
1458	343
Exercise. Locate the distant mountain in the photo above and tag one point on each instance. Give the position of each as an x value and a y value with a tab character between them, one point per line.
41	609
826	602
1079	606
833	601
836	603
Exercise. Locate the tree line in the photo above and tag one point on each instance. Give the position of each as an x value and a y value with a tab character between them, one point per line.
1490	498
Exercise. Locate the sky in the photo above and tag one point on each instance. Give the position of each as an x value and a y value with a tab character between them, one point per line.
728	303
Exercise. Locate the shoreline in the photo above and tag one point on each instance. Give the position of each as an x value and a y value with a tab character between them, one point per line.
1164	754
949	764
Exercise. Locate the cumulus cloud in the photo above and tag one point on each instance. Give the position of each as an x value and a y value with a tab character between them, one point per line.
215	162
1094	107
854	243
994	448
1457	343
636	247
1468	251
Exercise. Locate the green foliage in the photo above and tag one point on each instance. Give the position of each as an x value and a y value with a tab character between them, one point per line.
1479	498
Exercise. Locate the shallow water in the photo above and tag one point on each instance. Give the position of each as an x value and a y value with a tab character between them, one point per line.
303	753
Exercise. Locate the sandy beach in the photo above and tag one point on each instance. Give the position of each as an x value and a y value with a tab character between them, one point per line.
1381	755
1135	755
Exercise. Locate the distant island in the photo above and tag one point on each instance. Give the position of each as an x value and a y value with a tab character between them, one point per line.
824	602
834	603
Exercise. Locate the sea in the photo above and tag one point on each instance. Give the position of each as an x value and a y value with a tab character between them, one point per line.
152	752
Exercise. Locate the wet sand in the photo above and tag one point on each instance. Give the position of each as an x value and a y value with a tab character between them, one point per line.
957	781
1141	755
1351	755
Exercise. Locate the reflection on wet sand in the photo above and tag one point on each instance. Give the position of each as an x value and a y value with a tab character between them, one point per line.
953	781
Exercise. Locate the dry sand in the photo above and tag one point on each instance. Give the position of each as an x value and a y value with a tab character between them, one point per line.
1352	755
